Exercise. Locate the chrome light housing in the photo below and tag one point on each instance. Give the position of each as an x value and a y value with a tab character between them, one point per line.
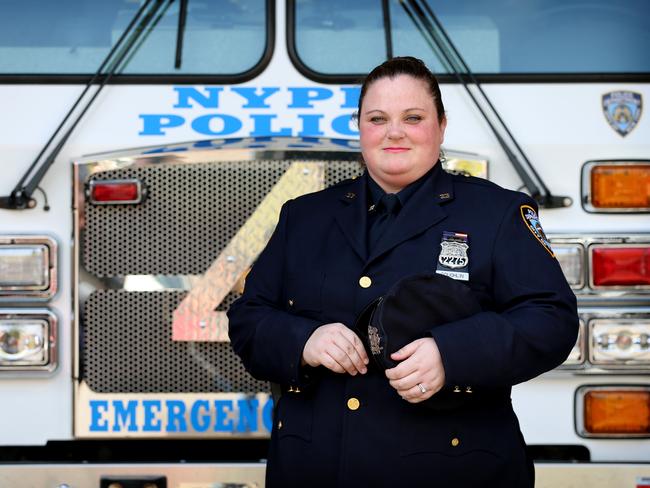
571	257
27	340
621	342
28	267
616	411
577	355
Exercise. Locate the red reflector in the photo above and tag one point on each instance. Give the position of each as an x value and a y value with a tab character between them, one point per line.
621	266
115	192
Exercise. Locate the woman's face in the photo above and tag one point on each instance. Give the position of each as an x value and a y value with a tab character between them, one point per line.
400	132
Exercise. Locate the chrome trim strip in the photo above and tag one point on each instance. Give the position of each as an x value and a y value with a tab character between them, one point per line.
51	276
239	149
585	187
50	345
141	192
579	410
244	474
78	224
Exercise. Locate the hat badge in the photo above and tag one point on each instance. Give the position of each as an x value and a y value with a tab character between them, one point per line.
375	340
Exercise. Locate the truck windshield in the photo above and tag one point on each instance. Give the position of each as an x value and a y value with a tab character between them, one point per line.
73	36
340	37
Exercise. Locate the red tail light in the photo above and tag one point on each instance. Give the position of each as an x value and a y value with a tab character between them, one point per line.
621	266
115	191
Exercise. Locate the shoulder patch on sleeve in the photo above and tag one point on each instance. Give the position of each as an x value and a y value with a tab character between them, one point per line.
529	215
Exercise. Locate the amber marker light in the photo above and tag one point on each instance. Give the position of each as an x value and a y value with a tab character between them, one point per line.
623	187
617	411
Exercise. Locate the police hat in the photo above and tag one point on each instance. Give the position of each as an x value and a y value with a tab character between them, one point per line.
408	311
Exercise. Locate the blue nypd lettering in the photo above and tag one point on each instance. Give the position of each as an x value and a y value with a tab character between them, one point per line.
257	111
241	416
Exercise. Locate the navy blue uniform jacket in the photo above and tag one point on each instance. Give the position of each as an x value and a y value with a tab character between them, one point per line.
308	276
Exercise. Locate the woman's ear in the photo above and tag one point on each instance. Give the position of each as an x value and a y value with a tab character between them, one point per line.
443	126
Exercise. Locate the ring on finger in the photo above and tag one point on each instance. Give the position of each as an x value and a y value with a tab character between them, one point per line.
423	390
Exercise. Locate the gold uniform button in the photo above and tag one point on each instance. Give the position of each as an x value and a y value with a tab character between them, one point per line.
455	441
365	282
353	403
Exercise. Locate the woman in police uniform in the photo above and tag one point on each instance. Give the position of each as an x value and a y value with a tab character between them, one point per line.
342	422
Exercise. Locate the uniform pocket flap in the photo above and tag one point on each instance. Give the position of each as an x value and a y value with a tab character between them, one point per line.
456	433
295	416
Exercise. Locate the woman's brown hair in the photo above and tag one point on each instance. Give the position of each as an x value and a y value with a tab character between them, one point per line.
405	65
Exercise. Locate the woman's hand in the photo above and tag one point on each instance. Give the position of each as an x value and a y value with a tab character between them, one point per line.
420	374
337	348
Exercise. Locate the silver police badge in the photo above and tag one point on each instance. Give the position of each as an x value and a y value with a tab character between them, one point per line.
622	110
453	254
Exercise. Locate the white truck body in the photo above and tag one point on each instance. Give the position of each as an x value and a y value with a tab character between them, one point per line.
561	125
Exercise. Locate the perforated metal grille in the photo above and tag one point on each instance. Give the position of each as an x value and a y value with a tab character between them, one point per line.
127	347
190	215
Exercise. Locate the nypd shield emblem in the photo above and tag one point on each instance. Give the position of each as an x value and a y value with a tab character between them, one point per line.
453	254
622	110
531	220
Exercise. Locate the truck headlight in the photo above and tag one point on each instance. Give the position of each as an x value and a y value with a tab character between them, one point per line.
622	342
27	340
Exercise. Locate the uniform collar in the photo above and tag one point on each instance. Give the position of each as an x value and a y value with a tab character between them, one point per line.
424	210
443	187
375	192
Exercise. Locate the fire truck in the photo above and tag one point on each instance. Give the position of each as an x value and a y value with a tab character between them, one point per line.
147	146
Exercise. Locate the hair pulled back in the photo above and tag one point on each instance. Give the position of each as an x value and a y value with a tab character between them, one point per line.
404	65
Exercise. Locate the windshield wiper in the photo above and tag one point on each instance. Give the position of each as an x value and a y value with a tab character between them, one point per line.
180	33
21	196
436	36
